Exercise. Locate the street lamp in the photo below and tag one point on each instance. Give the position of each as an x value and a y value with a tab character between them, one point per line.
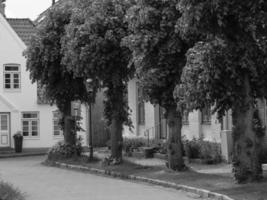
89	89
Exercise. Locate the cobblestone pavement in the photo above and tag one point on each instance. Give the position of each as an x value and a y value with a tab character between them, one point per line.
47	183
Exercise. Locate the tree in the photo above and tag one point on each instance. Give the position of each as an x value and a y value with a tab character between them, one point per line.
44	61
159	57
226	68
92	49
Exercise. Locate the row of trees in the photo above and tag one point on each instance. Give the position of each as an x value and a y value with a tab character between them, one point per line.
187	54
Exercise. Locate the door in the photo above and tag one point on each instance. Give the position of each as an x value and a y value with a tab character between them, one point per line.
4	130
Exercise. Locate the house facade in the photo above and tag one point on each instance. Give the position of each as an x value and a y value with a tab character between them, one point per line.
148	121
21	108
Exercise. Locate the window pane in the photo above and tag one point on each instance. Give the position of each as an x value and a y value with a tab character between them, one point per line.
206	115
7	86
16	76
11	68
16	86
25	133
56	133
30	115
7	76
34	123
4	124
56	126
34	133
25	123
34	127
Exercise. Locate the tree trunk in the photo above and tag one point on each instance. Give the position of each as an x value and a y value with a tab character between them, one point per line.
247	146
117	124
116	140
69	126
175	154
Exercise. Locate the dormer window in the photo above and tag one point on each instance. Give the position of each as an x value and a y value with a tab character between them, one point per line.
12	77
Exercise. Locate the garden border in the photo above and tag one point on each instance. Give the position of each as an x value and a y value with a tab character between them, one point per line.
201	192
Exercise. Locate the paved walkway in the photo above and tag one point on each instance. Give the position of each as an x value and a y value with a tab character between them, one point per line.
201	168
48	183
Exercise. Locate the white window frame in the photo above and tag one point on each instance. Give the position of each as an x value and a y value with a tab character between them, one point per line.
12	74
54	120
30	120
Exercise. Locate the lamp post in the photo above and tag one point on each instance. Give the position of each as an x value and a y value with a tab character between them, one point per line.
90	91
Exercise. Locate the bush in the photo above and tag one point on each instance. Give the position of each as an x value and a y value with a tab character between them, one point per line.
192	148
8	192
65	151
160	146
208	151
131	144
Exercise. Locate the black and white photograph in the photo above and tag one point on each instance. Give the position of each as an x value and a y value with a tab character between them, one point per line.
133	100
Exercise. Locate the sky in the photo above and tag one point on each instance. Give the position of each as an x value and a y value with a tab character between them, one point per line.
26	8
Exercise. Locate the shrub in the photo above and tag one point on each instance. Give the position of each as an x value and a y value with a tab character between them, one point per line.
8	192
160	146
131	144
210	152
192	148
65	151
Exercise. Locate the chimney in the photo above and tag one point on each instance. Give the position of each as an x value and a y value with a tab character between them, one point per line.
53	2
2	7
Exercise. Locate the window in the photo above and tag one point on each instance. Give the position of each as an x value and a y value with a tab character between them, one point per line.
206	115
12	77
30	124
140	105
185	116
57	132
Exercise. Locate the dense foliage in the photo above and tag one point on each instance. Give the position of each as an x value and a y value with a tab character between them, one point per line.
62	151
233	44
44	61
8	192
92	49
158	51
159	57
209	152
226	68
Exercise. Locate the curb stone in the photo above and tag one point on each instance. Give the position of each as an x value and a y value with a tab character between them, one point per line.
201	192
3	156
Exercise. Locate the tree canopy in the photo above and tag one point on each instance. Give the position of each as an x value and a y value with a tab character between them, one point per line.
226	68
233	43
92	49
159	57
44	61
158	51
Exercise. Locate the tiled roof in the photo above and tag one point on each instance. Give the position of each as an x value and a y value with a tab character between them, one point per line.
23	27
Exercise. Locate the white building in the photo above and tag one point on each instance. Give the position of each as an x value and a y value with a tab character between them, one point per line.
148	121
21	109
